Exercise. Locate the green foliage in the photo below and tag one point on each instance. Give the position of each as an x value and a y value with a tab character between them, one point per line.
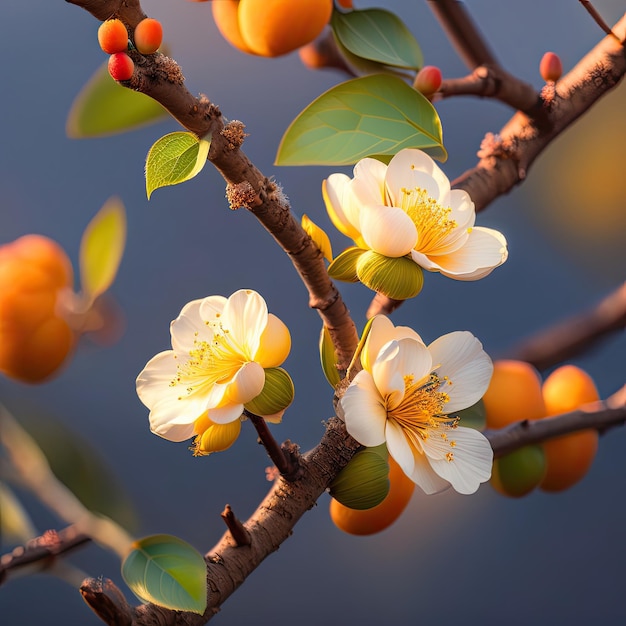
328	358
398	278
167	571
373	115
103	107
101	248
16	526
175	158
343	266
377	35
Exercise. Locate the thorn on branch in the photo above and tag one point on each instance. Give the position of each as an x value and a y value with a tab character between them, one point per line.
238	531
107	601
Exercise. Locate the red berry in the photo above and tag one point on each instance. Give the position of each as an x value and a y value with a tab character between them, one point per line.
121	66
550	67
113	36
148	35
428	80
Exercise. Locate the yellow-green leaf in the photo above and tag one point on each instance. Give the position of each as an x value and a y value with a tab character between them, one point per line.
319	237
328	358
101	248
16	526
367	116
175	158
377	35
103	107
167	571
343	266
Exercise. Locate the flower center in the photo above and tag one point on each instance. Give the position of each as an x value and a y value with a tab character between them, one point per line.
421	413
431	219
210	362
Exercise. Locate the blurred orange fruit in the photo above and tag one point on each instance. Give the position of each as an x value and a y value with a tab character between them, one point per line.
34	339
514	394
271	27
376	519
569	457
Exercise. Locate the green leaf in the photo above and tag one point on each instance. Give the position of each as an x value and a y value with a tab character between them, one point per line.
175	158
377	35
16	526
367	116
343	266
101	248
167	571
398	278
328	358
103	107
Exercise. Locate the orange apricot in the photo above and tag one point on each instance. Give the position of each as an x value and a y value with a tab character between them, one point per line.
148	35
113	36
514	394
376	519
569	457
34	338
271	27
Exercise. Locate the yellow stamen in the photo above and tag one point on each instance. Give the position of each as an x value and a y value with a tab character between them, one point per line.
430	218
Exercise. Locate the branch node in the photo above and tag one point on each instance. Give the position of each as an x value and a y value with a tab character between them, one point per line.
240	535
242	195
234	133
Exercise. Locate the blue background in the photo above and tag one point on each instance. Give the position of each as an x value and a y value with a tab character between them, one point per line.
544	559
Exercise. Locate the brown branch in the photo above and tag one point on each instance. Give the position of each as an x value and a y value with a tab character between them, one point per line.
598	18
575	334
238	531
505	158
42	551
161	78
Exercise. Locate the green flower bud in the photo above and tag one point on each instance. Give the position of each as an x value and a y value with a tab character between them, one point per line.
364	482
398	278
276	396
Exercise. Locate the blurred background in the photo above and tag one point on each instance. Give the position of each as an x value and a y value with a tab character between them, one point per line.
485	559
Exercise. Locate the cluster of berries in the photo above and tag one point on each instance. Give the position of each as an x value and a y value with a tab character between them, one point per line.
113	39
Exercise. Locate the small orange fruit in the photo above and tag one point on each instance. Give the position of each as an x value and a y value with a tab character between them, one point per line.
148	35
34	339
514	394
113	36
568	457
226	16
376	519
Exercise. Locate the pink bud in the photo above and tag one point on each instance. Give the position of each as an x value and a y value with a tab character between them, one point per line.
428	80
550	67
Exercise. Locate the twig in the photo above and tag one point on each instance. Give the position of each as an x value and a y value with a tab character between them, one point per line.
598	19
240	535
575	334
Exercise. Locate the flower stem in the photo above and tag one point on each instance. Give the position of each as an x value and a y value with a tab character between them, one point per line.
286	460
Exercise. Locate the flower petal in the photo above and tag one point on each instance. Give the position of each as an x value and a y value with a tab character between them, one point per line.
472	461
226	414
396	360
484	250
275	343
185	329
387	230
245	318
247	383
412	168
363	410
460	357
336	190
368	184
211	307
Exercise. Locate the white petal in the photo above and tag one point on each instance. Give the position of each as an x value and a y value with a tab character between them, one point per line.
472	462
484	250
387	230
247	383
188	327
396	360
363	410
336	190
413	463
171	431
382	331
463	211
211	307
412	168
245	317
226	414
156	377
369	181
460	357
